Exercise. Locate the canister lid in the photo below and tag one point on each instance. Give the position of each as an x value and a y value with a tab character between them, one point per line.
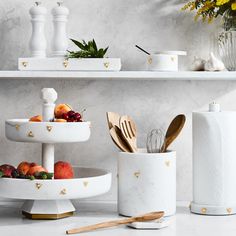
180	53
214	107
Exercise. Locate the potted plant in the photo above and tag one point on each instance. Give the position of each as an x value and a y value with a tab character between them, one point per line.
87	50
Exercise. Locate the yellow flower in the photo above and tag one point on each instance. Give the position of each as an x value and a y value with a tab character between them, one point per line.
221	2
233	6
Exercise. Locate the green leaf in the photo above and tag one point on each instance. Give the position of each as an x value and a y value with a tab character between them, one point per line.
87	50
95	45
105	50
1	173
77	43
49	175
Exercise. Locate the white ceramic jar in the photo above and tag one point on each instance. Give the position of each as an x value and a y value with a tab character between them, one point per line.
164	61
146	182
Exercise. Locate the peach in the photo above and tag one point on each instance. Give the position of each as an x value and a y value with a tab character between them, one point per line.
63	170
24	167
61	109
34	169
60	120
7	170
37	118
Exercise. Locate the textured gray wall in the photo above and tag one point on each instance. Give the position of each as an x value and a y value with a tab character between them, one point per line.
154	24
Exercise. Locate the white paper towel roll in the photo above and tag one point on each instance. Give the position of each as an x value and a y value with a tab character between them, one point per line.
214	163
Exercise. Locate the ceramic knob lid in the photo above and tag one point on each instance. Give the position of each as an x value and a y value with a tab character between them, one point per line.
49	95
38	9
214	107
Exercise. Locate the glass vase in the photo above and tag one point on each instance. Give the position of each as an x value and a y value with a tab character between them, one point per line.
227	40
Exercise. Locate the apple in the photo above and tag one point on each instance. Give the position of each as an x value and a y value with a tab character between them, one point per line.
63	170
7	170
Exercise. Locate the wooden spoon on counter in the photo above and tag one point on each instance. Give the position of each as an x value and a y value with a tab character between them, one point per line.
129	132
143	218
173	131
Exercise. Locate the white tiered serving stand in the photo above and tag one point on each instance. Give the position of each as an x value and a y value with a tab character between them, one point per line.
49	199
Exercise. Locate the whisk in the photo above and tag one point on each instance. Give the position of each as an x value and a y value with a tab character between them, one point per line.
155	139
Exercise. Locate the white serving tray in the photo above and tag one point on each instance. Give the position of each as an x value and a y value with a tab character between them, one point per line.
21	130
88	182
72	64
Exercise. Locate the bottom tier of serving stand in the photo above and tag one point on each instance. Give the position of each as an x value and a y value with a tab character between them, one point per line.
50	199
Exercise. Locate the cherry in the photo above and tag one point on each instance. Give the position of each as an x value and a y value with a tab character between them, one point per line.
71	114
65	116
77	116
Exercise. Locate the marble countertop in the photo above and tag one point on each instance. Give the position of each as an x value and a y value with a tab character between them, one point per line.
183	223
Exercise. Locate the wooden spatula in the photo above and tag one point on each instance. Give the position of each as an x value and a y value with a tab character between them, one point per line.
118	139
129	131
173	131
113	119
147	217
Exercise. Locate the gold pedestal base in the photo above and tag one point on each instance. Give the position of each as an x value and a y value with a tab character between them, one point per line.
47	216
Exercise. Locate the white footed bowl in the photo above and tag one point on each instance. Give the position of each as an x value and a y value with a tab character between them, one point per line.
21	130
146	182
89	182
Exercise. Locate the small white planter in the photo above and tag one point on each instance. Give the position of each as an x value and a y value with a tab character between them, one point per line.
146	182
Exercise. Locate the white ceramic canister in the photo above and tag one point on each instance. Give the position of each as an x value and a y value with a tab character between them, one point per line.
146	182
214	162
164	61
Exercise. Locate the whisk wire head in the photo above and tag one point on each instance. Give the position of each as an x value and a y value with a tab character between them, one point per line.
155	140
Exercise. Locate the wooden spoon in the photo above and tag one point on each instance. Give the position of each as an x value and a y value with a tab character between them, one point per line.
147	217
113	119
118	139
129	132
173	131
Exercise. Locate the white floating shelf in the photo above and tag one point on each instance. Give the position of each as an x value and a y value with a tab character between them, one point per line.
121	75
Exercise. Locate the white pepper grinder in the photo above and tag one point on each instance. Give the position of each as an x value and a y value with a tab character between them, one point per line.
38	43
60	40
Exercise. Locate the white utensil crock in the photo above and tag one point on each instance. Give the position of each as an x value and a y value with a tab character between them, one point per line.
164	61
146	182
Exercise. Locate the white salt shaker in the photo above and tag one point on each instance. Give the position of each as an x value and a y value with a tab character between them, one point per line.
38	43
60	40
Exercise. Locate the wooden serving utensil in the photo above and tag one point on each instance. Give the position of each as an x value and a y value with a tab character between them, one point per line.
147	217
173	131
113	119
118	139
129	131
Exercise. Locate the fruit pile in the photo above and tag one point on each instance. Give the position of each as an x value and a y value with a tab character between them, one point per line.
62	113
26	170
